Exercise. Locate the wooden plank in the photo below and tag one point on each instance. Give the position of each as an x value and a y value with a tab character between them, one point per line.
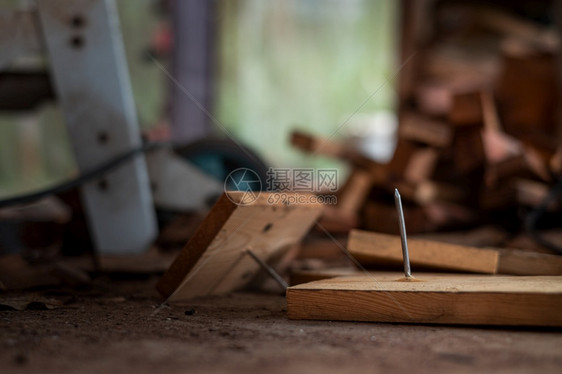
528	263
214	260
385	250
373	248
433	299
512	262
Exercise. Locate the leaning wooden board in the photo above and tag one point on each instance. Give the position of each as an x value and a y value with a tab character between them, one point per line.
372	248
215	261
434	298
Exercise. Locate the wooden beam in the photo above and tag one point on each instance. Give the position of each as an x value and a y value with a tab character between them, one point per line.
372	248
528	263
434	299
380	249
214	260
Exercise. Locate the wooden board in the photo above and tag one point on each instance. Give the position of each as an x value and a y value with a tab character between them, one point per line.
528	263
214	260
380	249
435	299
372	248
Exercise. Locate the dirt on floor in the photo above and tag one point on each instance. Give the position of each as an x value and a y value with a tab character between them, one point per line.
119	325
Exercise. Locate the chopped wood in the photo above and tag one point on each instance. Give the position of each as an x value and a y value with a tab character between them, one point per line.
468	149
351	197
466	110
556	162
533	193
434	299
382	217
425	130
421	166
335	220
527	94
331	148
400	160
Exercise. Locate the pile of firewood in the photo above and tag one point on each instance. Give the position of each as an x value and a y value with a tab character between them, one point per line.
479	137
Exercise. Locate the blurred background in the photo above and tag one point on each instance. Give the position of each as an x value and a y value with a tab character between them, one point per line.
272	67
455	102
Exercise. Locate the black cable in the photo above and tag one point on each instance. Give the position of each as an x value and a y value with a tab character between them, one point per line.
534	216
83	178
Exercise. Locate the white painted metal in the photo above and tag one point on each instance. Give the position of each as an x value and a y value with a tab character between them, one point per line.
90	74
178	185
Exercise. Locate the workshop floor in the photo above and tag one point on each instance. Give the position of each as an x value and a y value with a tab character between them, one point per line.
118	326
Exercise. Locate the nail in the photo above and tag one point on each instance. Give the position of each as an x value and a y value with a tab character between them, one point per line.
403	238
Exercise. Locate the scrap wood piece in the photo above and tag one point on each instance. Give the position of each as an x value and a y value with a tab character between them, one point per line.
328	147
401	158
382	217
466	110
435	299
335	220
380	249
527	92
468	148
555	162
373	248
427	191
532	193
214	261
421	166
351	197
519	262
331	148
424	130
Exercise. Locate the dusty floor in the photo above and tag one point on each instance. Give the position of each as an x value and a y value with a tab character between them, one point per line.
118	327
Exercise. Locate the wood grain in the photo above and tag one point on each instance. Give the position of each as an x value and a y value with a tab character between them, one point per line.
435	299
372	248
528	263
214	260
